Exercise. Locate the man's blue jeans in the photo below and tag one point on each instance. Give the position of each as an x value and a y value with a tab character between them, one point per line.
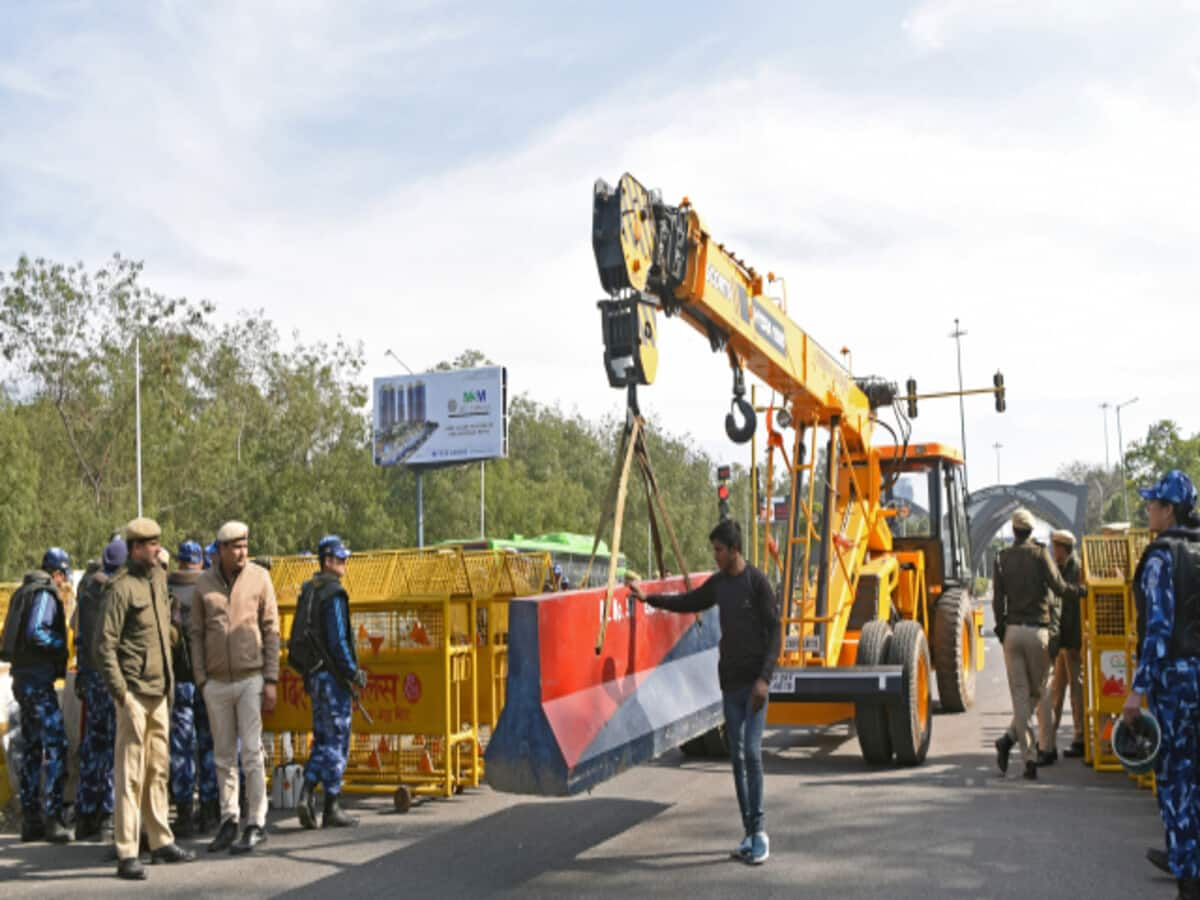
745	729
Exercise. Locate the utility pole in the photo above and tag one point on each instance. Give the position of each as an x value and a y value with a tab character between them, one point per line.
1105	407
1121	451
137	415
997	447
958	334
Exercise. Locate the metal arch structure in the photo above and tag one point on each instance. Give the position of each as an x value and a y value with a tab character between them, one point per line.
1061	503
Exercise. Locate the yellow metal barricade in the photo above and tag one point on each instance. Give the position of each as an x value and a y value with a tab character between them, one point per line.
1109	638
413	631
6	591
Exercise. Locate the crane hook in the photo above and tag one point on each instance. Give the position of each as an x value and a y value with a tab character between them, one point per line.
740	434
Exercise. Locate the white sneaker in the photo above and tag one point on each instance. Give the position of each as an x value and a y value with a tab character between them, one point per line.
744	849
760	850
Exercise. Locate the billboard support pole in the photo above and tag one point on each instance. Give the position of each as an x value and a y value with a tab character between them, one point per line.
420	508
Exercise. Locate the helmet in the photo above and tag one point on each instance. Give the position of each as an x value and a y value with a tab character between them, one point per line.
210	553
1137	745
190	552
331	545
56	560
1174	487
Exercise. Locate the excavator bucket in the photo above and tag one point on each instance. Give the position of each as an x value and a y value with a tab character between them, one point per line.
574	718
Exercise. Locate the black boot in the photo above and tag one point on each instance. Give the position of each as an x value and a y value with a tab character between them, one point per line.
307	807
1158	859
106	828
87	827
32	828
210	816
185	826
131	869
1189	888
1031	770
57	831
1047	757
1004	745
334	816
226	835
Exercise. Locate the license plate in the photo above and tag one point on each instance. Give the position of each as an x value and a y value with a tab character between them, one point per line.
783	682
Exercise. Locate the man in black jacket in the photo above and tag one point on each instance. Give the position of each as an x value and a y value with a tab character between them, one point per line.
750	636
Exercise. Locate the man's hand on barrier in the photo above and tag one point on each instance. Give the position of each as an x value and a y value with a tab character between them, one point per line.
634	589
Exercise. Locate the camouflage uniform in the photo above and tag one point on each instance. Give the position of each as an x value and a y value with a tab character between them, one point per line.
95	791
191	737
1171	685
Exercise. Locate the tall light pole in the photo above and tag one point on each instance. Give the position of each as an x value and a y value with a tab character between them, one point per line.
1121	452
137	415
1105	407
997	447
958	334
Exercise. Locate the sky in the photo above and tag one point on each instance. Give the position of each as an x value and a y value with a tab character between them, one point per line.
417	176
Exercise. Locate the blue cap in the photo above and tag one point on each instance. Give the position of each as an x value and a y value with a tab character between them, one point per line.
114	555
190	552
57	560
1175	487
210	553
331	545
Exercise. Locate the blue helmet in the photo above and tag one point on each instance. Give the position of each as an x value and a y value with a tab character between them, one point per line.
1136	746
210	553
1174	487
331	545
190	552
57	560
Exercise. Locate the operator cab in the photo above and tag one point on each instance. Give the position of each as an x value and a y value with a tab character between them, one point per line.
925	487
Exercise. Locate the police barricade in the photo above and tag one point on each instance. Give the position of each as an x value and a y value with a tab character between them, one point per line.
7	784
1109	639
513	575
413	634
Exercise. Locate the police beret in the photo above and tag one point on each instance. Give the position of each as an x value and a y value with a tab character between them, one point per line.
233	531
1022	520
142	529
1062	536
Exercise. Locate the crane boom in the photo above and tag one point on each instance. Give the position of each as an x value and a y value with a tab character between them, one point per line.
652	256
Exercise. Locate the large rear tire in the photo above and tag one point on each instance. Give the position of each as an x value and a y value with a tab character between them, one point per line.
954	651
910	722
871	719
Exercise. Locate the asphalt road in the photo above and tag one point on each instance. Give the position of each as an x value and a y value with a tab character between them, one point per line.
950	828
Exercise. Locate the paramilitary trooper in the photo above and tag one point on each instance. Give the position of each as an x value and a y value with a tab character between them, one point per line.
94	798
321	648
35	643
1166	586
1027	622
191	736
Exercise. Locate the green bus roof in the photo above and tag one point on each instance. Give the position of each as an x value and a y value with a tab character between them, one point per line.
551	542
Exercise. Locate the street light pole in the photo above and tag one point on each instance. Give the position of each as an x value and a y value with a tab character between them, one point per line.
1121	452
1105	407
958	334
137	414
997	447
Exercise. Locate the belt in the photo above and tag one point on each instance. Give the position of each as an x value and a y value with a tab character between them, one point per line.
1031	624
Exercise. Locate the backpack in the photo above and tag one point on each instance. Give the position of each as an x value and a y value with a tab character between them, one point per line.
18	613
305	653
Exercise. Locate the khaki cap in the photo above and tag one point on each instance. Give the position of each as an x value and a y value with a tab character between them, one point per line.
142	529
1022	520
1062	536
233	531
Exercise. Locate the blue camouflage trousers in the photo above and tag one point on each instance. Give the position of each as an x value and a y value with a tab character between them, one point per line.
331	708
95	792
1176	704
45	738
191	737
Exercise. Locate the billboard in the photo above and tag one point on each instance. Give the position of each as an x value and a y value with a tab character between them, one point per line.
441	418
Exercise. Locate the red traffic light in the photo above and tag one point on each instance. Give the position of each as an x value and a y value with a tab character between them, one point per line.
723	492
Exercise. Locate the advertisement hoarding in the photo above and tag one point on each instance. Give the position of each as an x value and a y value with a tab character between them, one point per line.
441	418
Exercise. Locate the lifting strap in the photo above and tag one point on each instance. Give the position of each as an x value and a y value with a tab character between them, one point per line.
632	448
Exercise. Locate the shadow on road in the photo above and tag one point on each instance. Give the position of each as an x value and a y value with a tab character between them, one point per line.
494	854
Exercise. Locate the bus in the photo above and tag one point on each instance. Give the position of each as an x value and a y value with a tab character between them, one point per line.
571	551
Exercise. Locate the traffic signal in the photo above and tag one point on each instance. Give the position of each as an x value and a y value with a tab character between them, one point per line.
998	381
723	475
910	387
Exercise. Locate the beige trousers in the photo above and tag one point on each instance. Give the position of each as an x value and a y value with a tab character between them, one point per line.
235	712
141	766
1067	674
1027	658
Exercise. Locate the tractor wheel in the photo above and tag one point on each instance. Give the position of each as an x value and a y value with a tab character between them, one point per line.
870	719
954	651
910	722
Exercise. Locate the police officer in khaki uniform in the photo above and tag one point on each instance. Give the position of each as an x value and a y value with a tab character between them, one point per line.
1066	671
1026	624
135	659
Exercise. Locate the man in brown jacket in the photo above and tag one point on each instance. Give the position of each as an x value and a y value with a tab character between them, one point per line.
235	662
134	656
1026	624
